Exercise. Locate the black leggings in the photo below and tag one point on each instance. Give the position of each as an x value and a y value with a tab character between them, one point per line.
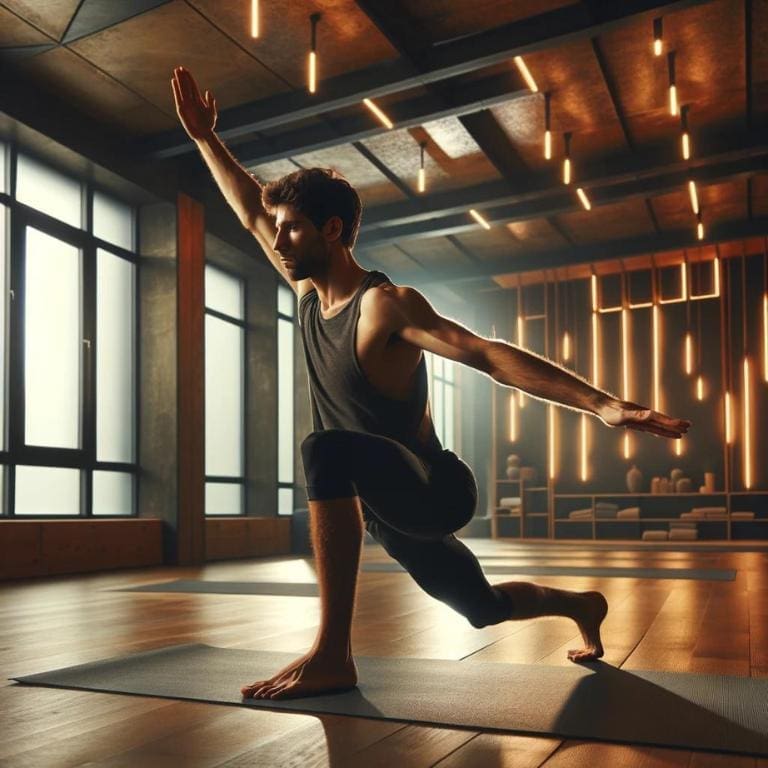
412	508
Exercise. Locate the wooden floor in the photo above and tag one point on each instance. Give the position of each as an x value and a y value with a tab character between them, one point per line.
676	625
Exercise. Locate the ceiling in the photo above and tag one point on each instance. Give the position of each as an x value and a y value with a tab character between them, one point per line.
443	71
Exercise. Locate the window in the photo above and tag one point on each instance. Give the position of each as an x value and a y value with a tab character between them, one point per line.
285	393
442	387
224	393
67	346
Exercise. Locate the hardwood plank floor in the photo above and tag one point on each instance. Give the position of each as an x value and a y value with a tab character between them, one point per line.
660	624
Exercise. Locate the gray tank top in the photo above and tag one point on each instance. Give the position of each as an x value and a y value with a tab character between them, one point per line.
340	394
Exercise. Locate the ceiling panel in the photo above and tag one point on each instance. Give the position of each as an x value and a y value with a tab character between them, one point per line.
724	202
96	94
434	253
608	222
446	19
51	16
489	244
535	235
392	257
346	38
760	194
16	31
142	52
673	210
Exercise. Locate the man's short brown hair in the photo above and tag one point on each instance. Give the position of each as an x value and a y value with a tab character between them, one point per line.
318	193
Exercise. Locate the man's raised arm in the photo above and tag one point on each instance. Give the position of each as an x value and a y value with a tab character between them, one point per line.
240	188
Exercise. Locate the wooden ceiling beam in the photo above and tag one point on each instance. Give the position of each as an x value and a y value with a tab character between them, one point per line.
439	62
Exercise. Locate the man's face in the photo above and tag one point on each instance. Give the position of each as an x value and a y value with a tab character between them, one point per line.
301	246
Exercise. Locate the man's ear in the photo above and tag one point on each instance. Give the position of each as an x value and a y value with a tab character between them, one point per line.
332	228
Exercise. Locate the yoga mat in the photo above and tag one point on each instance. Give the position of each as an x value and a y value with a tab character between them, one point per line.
293	589
596	701
696	574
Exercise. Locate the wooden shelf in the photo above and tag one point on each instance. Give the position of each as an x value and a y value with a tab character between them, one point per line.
633	495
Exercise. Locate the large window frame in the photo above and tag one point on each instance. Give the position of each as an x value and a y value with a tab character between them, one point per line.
286	436
18	217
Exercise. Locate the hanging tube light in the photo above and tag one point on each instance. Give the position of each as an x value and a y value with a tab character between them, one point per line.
525	72
658	39
547	128
254	18
567	158
685	138
422	179
313	19
673	108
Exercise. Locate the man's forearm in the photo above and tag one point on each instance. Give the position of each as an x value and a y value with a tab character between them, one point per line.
539	377
241	190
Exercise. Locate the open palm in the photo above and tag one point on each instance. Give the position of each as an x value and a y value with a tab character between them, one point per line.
197	114
622	413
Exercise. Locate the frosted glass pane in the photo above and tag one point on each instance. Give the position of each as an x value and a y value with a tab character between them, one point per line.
53	342
3	187
115	355
449	367
2	489
47	491
224	414
3	327
223	292
285	501
438	365
112	493
285	300
223	499
49	191
449	442
113	221
285	400
438	412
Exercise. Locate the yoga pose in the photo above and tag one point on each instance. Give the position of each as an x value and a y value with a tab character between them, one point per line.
374	460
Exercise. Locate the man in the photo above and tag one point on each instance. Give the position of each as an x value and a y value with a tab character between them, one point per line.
374	445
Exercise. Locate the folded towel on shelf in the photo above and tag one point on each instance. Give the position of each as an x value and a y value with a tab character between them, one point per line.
509	501
581	514
709	510
628	513
741	515
655	535
605	514
683	534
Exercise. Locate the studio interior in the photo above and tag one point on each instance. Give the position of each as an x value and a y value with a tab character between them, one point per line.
575	187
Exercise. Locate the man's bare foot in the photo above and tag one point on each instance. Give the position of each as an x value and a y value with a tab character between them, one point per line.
309	675
593	610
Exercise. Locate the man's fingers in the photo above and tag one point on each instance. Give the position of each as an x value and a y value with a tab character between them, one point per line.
176	92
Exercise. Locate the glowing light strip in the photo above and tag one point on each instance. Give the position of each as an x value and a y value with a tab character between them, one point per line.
716	292
593	285
699	388
584	199
678	445
312	71
595	356
683	289
746	407
254	18
583	446
552	433
673	110
520	343
627	447
694	196
376	111
657	47
625	369
512	418
610	309
765	336
656	360
567	170
689	353
525	72
686	146
422	180
567	346
479	219
728	425
548	145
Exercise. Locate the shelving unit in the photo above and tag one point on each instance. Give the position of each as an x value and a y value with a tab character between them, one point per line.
499	512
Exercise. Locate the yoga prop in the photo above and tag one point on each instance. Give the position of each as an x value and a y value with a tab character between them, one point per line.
696	574
595	701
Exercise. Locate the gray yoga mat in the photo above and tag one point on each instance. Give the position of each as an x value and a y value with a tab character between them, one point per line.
293	589
595	701
696	574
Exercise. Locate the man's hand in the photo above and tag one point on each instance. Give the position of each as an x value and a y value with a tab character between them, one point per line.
621	413
197	115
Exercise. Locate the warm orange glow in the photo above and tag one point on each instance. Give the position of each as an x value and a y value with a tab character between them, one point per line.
765	336
593	286
678	445
700	387
673	109
525	72
595	349
512	418
728	423
686	146
700	231
684	279
583	452
567	170
658	47
627	445
625	369
312	71
688	352
566	346
584	199
422	180
548	145
694	196
683	289
254	18
479	219
552	437
656	360
520	343
746	400
376	111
